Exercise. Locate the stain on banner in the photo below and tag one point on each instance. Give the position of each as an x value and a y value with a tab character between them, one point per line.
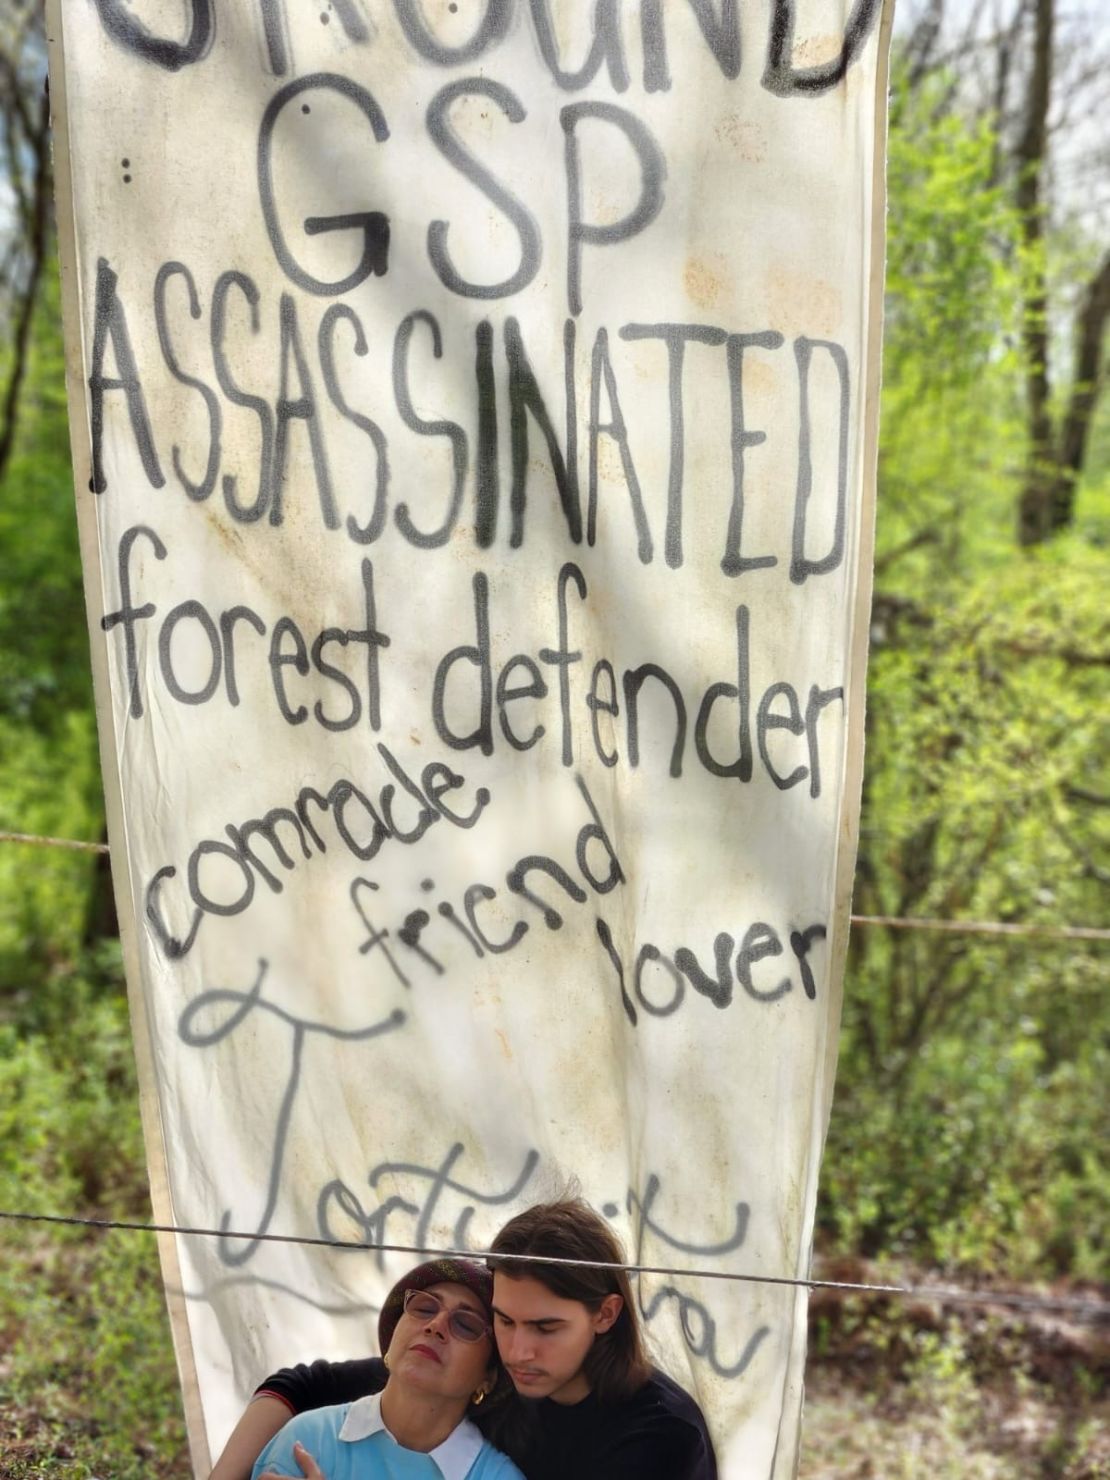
473	416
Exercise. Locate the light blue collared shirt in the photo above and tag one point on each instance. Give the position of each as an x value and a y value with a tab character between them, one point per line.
351	1442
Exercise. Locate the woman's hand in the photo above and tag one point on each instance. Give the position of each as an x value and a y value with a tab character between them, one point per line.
308	1466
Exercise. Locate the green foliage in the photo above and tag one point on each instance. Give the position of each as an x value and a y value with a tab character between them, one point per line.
973	1068
87	1374
44	660
49	786
952	434
88	1385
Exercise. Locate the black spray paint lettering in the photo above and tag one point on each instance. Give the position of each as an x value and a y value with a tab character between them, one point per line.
465	684
216	1014
128	31
441	1197
128	614
288	648
733	563
198	491
760	941
783	79
606	47
659	992
297	401
433	1184
110	327
367	533
601	373
719	24
599	868
487	479
675	337
452	148
801	566
821	480
372	226
695	1318
363	828
649	202
437	428
243	513
526	399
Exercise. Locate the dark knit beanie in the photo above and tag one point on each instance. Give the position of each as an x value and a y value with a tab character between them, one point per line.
475	1277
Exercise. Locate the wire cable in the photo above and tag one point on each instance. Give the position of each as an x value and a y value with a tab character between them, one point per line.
984	927
894	922
1096	1310
36	841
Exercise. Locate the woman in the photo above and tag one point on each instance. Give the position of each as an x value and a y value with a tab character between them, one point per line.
437	1345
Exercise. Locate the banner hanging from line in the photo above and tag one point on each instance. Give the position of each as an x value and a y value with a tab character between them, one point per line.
473	417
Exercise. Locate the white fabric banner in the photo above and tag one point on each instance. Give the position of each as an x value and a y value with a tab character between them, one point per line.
473	415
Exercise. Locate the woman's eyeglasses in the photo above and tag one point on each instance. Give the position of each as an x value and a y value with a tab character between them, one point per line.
466	1325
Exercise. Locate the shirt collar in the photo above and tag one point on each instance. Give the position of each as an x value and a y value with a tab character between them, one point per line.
453	1457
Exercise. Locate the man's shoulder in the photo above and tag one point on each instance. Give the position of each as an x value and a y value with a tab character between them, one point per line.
670	1410
662	1392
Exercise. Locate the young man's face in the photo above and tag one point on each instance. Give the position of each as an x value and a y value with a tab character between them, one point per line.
543	1339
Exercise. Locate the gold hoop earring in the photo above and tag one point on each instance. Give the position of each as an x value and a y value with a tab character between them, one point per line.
478	1398
385	1360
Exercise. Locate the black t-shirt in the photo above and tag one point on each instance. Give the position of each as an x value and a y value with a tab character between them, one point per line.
656	1434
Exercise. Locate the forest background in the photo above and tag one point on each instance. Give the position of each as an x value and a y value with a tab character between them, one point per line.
967	1136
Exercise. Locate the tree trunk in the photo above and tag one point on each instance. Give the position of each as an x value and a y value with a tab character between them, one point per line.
1035	504
1086	385
101	921
28	134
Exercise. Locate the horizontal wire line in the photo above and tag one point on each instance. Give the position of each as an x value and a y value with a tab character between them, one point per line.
895	922
983	927
1090	1309
40	842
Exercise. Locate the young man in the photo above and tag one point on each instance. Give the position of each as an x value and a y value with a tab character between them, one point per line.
570	1340
569	1337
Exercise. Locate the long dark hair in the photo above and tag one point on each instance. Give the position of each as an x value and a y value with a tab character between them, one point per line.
616	1365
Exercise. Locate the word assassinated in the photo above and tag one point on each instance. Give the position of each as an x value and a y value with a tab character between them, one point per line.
719	27
303	408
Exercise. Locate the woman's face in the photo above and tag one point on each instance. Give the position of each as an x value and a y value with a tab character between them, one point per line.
426	1353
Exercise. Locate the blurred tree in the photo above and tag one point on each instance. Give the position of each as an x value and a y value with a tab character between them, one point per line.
1041	74
49	782
25	170
965	1126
